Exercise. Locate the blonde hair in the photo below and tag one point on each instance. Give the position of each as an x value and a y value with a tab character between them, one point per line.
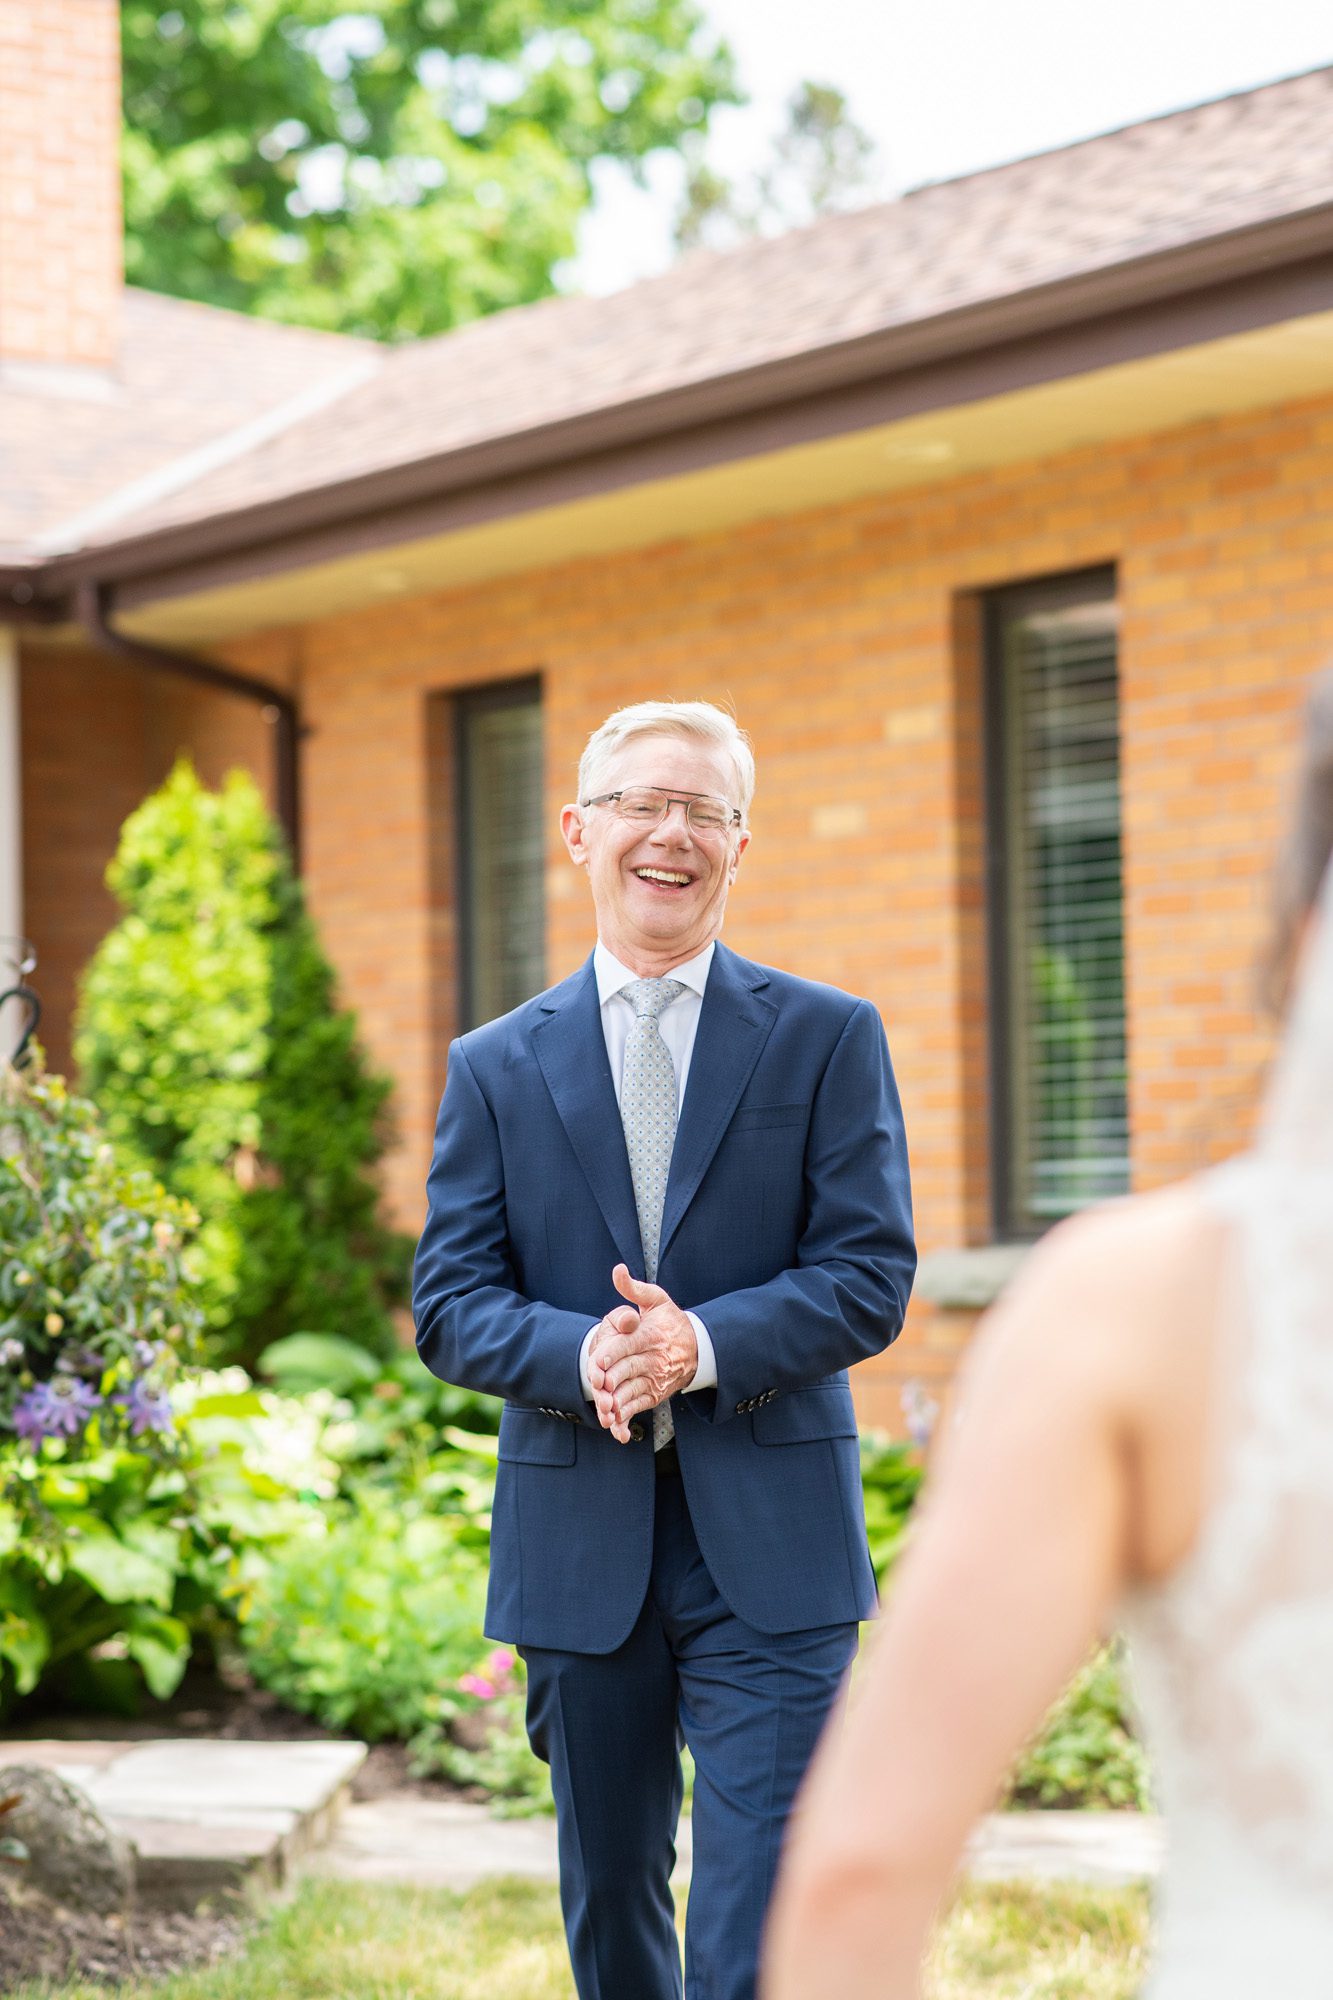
699	720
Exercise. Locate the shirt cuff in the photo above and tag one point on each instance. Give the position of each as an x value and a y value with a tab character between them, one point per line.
705	1375
586	1349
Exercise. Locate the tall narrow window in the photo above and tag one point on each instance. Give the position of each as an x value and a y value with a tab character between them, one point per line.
501	848
1061	1126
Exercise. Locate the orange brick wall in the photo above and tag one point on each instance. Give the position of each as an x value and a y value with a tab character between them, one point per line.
60	210
848	641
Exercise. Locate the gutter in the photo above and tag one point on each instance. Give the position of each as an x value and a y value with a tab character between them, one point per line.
1275	268
92	604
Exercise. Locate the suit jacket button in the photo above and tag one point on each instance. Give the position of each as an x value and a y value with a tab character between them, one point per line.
636	1431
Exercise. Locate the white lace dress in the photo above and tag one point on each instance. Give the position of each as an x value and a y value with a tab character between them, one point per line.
1233	1654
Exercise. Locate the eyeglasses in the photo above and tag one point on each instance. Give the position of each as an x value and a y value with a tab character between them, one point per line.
644	805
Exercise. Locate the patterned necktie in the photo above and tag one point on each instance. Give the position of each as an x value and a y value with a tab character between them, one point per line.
648	1111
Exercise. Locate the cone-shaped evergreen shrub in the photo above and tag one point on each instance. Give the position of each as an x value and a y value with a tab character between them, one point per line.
210	1038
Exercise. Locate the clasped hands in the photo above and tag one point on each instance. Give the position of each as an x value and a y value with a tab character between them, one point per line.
641	1354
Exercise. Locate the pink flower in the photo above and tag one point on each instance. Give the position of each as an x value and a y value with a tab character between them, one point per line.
482	1689
500	1664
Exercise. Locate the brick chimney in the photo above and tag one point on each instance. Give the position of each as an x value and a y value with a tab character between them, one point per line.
61	265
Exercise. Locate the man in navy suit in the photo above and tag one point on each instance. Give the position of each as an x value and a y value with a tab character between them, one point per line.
669	1205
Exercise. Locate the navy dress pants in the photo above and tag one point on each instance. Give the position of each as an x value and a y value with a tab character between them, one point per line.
749	1704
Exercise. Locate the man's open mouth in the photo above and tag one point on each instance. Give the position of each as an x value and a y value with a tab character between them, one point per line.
670	878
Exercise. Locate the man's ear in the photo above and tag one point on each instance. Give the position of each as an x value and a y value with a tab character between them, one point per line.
571	829
741	846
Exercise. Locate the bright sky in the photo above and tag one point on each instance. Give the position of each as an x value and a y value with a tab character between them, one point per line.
948	86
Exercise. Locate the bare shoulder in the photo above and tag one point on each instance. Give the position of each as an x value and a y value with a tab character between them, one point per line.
1139	1243
1120	1291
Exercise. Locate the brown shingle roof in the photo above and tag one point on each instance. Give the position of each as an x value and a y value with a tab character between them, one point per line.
1154	187
189	375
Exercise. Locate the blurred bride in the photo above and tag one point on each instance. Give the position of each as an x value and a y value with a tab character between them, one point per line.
1146	1438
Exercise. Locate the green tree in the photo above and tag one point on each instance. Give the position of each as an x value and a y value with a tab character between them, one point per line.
396	169
210	1038
821	161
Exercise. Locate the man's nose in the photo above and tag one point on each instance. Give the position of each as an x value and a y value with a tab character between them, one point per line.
674	827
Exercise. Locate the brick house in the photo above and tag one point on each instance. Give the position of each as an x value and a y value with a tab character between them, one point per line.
1001	512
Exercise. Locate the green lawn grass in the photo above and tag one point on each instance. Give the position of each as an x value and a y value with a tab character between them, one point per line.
503	1941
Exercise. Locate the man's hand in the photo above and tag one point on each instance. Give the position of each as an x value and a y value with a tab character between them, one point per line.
638	1368
620	1321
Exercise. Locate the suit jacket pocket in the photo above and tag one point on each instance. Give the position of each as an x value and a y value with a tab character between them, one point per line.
803	1415
762	1117
529	1438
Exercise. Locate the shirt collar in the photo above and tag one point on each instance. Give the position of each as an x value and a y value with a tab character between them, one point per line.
613	977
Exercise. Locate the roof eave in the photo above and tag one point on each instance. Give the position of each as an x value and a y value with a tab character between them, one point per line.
1295	246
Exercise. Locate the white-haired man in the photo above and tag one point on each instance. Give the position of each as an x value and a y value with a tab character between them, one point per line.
669	1205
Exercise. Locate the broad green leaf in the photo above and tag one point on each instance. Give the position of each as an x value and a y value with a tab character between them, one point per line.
235	1403
318	1361
161	1645
478	1443
119	1574
26	1644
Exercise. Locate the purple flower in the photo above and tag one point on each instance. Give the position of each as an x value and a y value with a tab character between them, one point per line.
920	1411
147	1409
54	1409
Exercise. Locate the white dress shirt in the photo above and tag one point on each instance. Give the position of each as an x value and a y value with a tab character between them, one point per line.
678	1025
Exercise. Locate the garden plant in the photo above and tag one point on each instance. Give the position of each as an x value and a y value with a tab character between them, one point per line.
97	1319
210	1037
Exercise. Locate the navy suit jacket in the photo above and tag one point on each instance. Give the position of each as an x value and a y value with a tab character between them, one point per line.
787	1227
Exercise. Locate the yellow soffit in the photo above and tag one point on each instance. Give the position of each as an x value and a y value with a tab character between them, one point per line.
1278	364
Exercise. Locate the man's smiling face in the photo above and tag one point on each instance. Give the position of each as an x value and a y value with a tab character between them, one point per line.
660	892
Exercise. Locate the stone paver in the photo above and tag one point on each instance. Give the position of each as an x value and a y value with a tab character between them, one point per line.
1103	1847
207	1816
454	1845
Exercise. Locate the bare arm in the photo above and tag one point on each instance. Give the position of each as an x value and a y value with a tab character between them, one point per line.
1020	1553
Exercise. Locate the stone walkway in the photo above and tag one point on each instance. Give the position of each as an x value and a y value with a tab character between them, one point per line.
207	1815
454	1845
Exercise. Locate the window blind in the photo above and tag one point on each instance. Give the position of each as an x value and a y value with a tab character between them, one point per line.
1065	1129
502	850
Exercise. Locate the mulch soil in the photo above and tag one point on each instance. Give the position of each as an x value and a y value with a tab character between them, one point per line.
42	1940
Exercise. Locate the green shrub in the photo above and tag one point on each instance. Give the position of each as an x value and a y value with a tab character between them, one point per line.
891	1476
136	1497
399	1652
1087	1753
210	1038
399	1412
96	1319
370	1620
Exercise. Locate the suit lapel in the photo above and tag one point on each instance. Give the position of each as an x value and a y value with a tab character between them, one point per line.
734	1024
571	1049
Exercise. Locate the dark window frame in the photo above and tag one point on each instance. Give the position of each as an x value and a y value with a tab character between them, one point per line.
468	703
1000	606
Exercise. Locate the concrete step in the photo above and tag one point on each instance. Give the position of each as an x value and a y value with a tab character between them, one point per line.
207	1817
